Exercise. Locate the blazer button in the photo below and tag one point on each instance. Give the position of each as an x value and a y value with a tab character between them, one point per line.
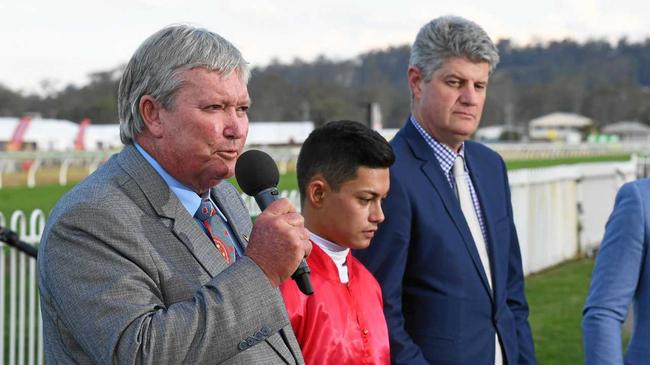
266	331
243	345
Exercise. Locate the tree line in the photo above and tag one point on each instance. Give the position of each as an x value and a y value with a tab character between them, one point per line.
603	81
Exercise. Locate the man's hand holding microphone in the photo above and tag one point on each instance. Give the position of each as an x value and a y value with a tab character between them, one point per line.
279	241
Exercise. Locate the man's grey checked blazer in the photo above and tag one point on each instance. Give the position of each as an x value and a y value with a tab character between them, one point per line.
127	276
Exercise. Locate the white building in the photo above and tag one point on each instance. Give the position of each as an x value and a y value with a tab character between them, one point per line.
278	133
564	127
44	134
629	131
102	137
59	135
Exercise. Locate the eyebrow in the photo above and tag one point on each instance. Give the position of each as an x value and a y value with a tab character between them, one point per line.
371	192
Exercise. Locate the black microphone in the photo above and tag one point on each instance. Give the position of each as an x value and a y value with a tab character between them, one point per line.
258	176
11	238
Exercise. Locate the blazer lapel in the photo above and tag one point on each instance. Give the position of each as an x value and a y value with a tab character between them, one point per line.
197	241
219	198
431	169
480	179
174	216
170	210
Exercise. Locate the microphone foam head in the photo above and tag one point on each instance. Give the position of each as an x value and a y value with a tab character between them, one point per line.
255	171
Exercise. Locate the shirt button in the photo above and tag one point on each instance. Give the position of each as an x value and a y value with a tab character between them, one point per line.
365	332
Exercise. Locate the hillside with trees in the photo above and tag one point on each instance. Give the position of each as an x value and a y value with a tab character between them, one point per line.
605	82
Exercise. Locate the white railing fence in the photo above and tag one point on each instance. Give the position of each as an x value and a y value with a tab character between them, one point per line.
36	163
560	214
254	210
20	315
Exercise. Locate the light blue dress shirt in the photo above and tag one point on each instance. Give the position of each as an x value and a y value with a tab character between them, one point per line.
188	197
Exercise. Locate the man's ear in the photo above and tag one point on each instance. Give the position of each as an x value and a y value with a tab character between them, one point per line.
415	76
316	191
150	113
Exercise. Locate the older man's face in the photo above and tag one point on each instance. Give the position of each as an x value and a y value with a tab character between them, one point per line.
204	130
449	106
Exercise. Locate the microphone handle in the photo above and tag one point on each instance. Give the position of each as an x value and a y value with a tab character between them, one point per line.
301	276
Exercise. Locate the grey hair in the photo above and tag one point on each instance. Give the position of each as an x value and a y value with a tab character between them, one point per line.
155	67
447	37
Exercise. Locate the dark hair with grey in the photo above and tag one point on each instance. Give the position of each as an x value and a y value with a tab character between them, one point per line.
337	150
155	66
447	37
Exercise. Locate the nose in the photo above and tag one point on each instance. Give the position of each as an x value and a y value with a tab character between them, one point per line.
235	124
376	213
468	95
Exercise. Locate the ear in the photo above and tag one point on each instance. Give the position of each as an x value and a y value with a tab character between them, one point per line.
414	76
150	113
316	191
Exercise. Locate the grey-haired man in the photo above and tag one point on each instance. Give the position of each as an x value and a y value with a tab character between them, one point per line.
153	258
447	255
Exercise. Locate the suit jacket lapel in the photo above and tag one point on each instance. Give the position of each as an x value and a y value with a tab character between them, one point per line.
170	210
174	216
219	198
433	172
481	182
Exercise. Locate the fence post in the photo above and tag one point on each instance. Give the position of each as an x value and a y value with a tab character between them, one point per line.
24	313
31	173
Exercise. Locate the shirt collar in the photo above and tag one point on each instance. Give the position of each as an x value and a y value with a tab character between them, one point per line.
337	253
445	155
190	200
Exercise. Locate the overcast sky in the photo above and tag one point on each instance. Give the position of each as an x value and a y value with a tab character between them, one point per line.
63	41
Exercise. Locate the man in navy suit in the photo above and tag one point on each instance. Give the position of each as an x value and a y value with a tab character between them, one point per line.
447	256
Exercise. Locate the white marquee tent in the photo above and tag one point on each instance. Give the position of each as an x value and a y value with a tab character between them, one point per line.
59	135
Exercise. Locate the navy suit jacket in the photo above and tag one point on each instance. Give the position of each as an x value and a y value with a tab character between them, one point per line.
621	276
437	301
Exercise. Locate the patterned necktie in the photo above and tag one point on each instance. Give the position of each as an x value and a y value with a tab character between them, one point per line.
207	214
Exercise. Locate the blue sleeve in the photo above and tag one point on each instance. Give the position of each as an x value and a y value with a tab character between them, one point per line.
614	279
386	258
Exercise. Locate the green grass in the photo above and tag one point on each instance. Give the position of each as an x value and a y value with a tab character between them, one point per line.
527	164
556	297
26	199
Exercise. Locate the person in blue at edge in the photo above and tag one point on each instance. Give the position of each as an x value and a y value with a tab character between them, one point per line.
447	255
621	276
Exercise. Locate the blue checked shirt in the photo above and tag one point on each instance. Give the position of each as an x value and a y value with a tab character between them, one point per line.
446	157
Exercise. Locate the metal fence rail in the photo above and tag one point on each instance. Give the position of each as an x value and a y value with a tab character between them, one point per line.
20	315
